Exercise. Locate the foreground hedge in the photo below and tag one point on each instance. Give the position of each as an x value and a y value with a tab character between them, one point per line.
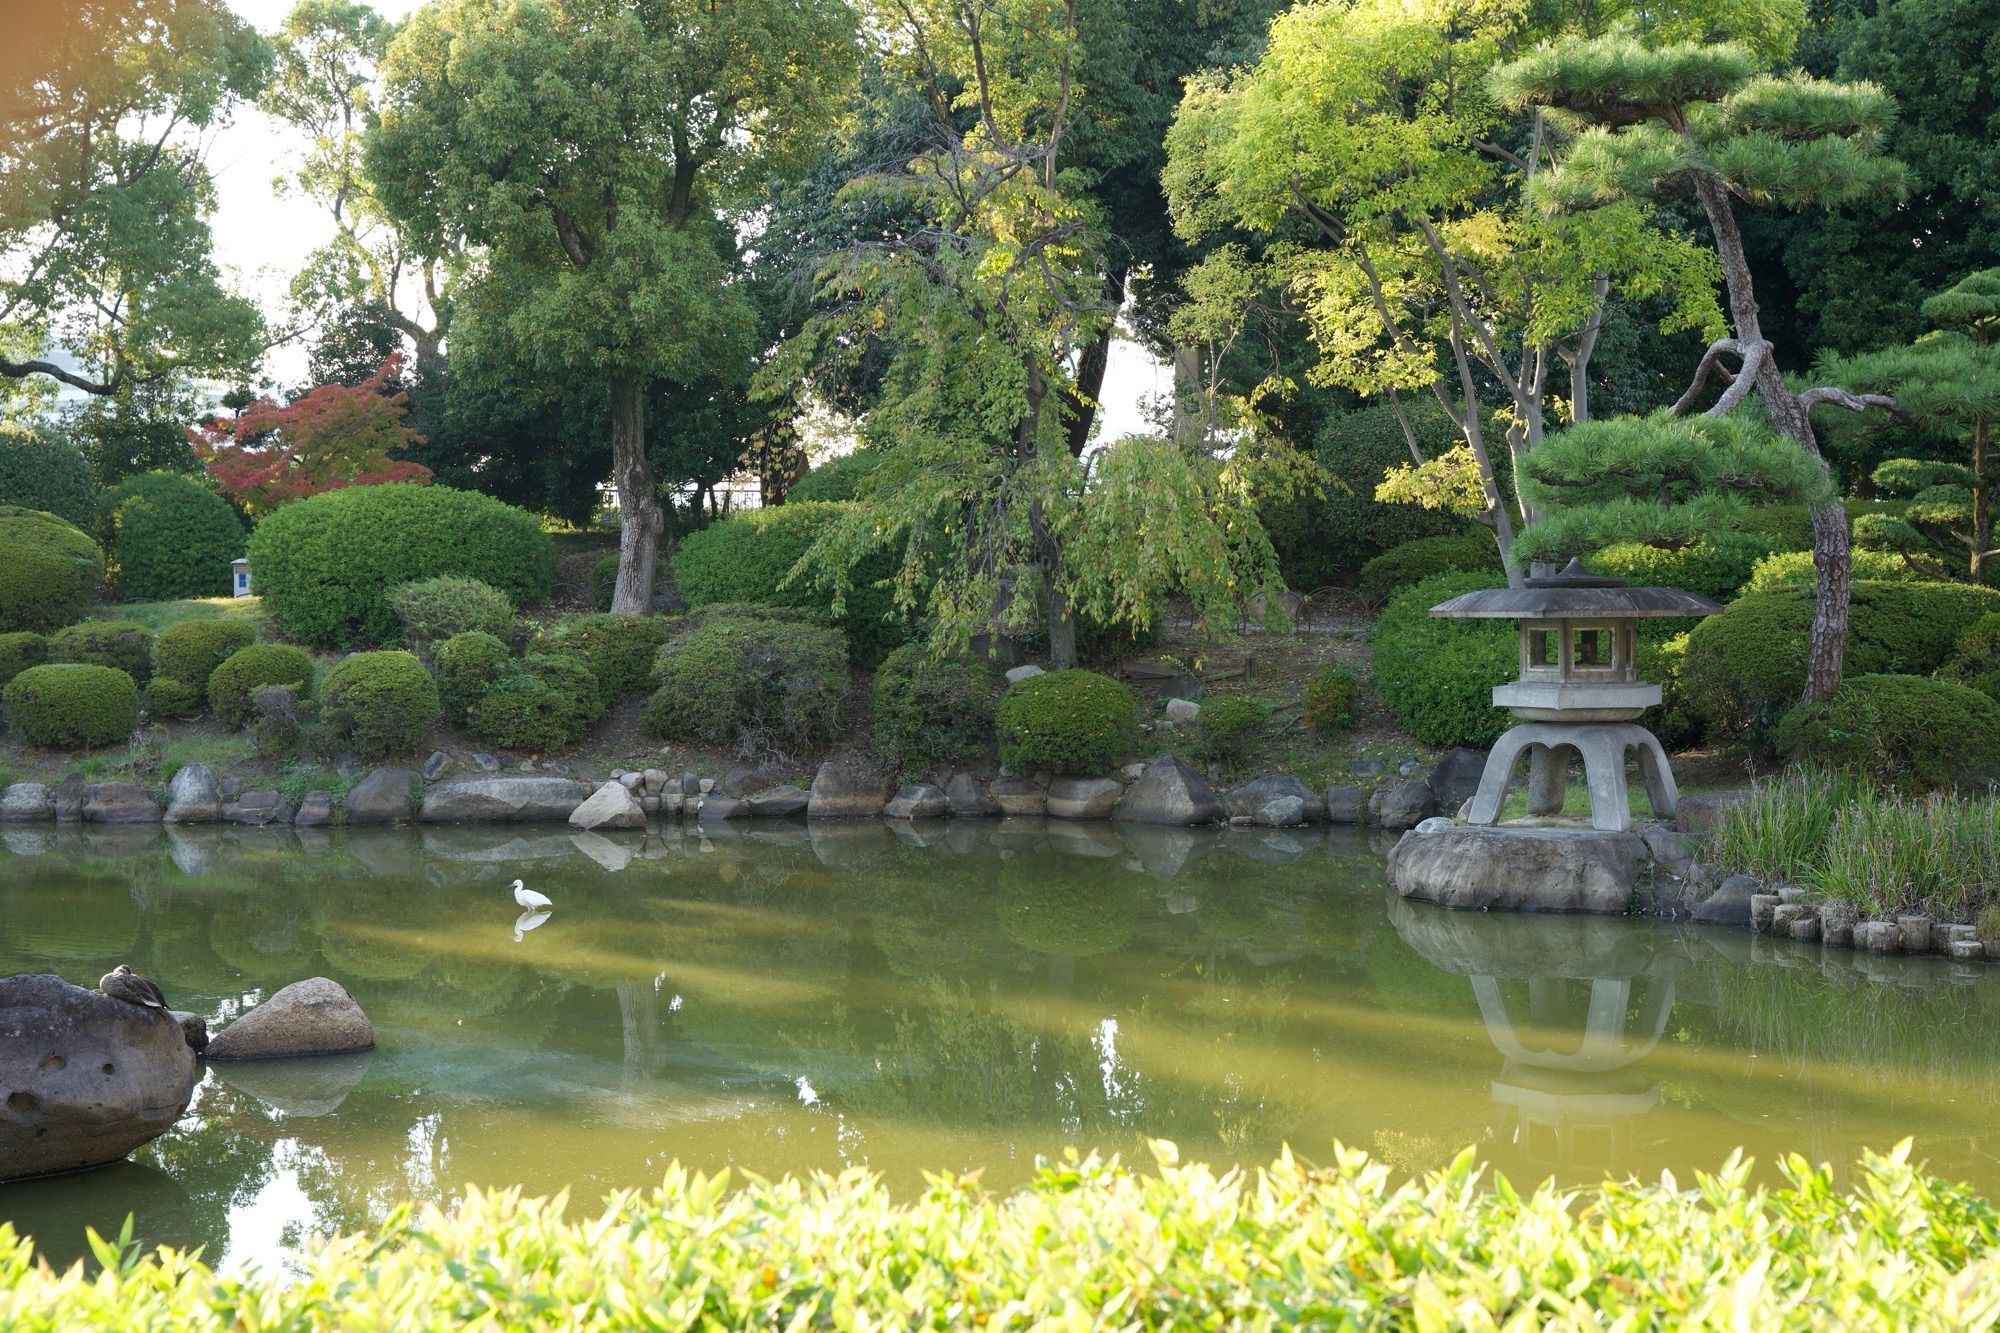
1088	1244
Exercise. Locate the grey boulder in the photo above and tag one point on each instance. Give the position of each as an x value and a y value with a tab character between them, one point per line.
848	788
611	806
22	802
1249	800
257	809
84	1078
1281	812
1170	793
716	809
311	1017
1083	798
918	800
118	803
383	797
524	799
1407	804
315	810
1018	796
1345	805
193	796
1456	776
780	802
1519	869
968	798
1729	905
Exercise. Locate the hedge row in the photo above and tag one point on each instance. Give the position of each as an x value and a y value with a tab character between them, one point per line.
1092	1244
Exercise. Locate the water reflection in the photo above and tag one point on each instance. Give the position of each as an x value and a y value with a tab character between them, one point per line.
794	997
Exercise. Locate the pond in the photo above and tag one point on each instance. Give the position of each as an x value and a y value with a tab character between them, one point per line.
794	998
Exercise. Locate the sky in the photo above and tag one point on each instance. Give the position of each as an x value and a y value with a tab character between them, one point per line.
262	236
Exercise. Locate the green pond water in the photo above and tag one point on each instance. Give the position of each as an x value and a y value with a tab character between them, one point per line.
794	999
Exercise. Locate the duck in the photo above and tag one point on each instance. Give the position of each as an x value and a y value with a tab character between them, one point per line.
529	899
122	983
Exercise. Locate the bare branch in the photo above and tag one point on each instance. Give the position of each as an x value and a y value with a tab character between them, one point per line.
1746	380
1853	402
1704	370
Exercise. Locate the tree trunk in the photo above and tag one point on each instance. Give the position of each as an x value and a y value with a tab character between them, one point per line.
638	501
1080	403
1190	404
1832	552
1982	505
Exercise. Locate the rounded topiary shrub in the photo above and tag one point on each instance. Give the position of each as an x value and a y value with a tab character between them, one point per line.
1747	664
41	472
1228	725
112	643
19	651
169	696
429	611
377	704
925	709
836	479
49	570
1412	562
72	705
1437	676
1794	571
192	649
760	683
539	703
619	650
1910	731
746	557
169	536
231	684
1066	721
324	566
1715	567
1974	661
1330	699
466	667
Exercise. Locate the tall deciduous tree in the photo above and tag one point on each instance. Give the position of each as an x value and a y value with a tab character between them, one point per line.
1365	136
1701	119
106	276
594	150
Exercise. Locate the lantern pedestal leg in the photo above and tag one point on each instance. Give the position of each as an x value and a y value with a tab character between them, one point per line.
1603	747
1548	778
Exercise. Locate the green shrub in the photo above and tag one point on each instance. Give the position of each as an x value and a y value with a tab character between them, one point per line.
1794	571
1716	567
1412	562
925	709
1228	725
72	705
539	703
170	696
429	611
755	683
41	472
19	651
1066	721
1660	661
744	558
1974	660
49	571
169	536
1907	731
378	704
619	650
111	643
324	566
1349	1241
835	479
243	671
1437	676
467	665
604	580
1323	540
1746	665
191	650
1331	697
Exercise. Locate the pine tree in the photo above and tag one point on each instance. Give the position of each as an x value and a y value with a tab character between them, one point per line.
1702	119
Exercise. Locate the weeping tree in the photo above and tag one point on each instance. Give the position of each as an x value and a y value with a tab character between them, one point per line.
598	156
1947	383
1663	480
1703	120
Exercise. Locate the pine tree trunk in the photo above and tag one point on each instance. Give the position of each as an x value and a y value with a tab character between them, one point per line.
1982	505
638	501
1832	552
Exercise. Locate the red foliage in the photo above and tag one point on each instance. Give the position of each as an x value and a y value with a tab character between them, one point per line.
337	435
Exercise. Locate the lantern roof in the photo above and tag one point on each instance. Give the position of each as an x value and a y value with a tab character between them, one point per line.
1574	594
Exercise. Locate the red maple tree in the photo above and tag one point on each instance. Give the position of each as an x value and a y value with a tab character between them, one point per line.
337	435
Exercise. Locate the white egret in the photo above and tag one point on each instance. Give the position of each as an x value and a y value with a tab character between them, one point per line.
529	899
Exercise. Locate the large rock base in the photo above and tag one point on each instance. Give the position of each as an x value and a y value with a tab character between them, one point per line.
1521	868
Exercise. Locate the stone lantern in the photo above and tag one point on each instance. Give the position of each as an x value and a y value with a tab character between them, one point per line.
1579	689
